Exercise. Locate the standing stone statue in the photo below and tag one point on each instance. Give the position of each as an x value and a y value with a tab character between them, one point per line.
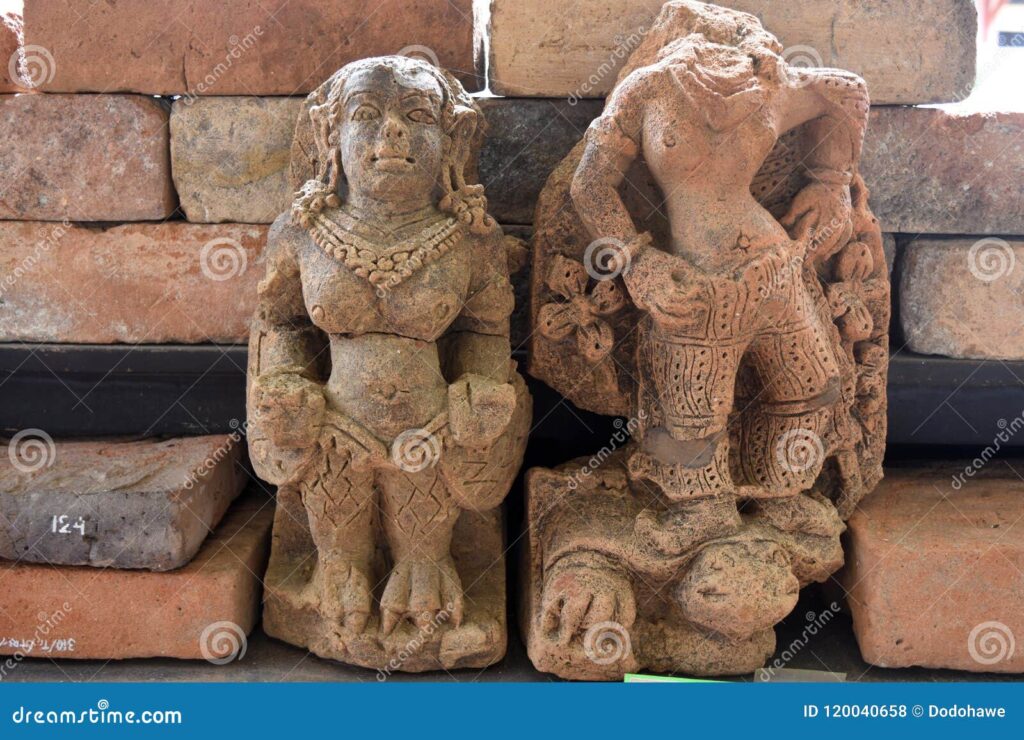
705	263
382	400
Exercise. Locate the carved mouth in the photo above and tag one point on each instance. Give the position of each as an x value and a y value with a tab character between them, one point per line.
388	159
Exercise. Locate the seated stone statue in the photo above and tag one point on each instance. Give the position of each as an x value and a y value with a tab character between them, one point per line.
705	263
382	399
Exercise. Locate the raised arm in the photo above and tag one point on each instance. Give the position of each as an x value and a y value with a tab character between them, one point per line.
612	144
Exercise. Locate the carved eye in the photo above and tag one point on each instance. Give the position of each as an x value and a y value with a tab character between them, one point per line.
365	113
422	115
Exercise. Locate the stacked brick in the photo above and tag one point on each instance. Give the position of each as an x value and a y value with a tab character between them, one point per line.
134	210
139	183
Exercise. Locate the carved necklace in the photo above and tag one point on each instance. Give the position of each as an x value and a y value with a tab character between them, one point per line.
388	267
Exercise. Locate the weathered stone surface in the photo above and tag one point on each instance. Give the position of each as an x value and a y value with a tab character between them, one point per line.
938	172
745	340
145	504
10	38
526	141
133	283
934	569
961	297
917	51
229	157
390	266
194	612
84	158
237	47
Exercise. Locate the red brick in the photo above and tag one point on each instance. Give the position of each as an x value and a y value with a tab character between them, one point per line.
133	283
141	504
913	51
935	171
85	158
961	297
236	47
935	569
113	613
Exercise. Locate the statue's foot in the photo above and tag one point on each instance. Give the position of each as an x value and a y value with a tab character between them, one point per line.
584	590
676	530
426	592
346	594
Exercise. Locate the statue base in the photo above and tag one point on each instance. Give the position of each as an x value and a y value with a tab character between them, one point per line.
706	609
291	614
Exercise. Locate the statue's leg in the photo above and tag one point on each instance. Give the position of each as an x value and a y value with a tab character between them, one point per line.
339	502
785	435
419	515
685	454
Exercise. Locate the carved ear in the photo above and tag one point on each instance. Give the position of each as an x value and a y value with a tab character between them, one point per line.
466	121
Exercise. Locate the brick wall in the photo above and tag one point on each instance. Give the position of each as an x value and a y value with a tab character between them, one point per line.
93	144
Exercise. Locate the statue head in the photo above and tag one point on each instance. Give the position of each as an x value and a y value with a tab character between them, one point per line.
395	130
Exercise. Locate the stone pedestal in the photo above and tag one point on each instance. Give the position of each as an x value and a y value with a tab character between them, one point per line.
291	608
935	569
203	610
146	504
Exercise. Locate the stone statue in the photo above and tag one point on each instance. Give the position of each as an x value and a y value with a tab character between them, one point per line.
382	399
704	263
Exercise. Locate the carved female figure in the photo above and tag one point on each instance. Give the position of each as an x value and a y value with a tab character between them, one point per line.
752	336
382	398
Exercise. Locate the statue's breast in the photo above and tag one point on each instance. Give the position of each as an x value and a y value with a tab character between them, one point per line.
422	306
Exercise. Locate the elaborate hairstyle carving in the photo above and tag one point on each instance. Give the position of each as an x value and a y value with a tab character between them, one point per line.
461	120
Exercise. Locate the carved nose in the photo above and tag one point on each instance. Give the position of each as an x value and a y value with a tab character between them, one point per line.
393	129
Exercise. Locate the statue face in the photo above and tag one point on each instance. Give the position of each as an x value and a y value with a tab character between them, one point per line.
391	139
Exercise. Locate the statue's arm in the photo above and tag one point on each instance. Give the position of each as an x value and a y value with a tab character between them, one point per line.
835	105
285	401
612	144
478	350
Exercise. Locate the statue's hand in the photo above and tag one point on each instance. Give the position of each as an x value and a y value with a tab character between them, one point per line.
820	217
288	409
584	590
479	409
